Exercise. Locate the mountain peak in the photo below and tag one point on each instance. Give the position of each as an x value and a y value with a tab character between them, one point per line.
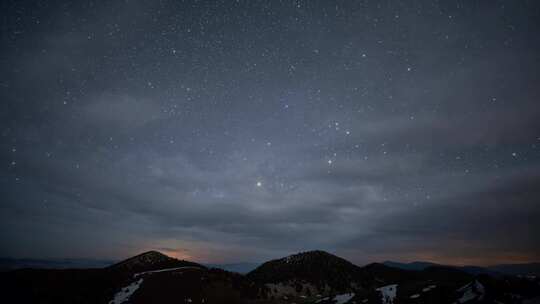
149	260
151	256
319	254
318	268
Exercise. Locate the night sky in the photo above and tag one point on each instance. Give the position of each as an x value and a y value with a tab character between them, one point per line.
227	131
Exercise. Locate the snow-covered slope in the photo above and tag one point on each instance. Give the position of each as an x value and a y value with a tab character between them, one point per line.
472	291
123	295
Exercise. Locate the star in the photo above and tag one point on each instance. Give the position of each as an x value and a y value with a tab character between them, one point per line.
259	184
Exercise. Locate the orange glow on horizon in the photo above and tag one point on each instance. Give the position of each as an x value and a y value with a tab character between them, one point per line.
177	254
202	254
486	260
443	259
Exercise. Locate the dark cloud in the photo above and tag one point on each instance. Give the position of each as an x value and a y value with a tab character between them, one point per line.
501	213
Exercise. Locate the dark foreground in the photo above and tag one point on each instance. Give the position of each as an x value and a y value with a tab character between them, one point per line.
310	277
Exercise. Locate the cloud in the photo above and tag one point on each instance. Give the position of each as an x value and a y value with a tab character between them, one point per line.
120	111
427	168
497	220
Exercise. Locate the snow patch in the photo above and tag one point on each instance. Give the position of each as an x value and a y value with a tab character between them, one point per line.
126	292
473	290
430	287
164	270
343	298
388	293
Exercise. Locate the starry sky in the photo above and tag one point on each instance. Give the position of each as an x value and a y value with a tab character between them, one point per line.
228	131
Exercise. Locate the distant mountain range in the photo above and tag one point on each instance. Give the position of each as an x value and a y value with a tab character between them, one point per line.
7	264
307	277
242	268
503	269
12	264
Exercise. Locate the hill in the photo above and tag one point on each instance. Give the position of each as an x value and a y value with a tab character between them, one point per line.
312	272
307	277
148	261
